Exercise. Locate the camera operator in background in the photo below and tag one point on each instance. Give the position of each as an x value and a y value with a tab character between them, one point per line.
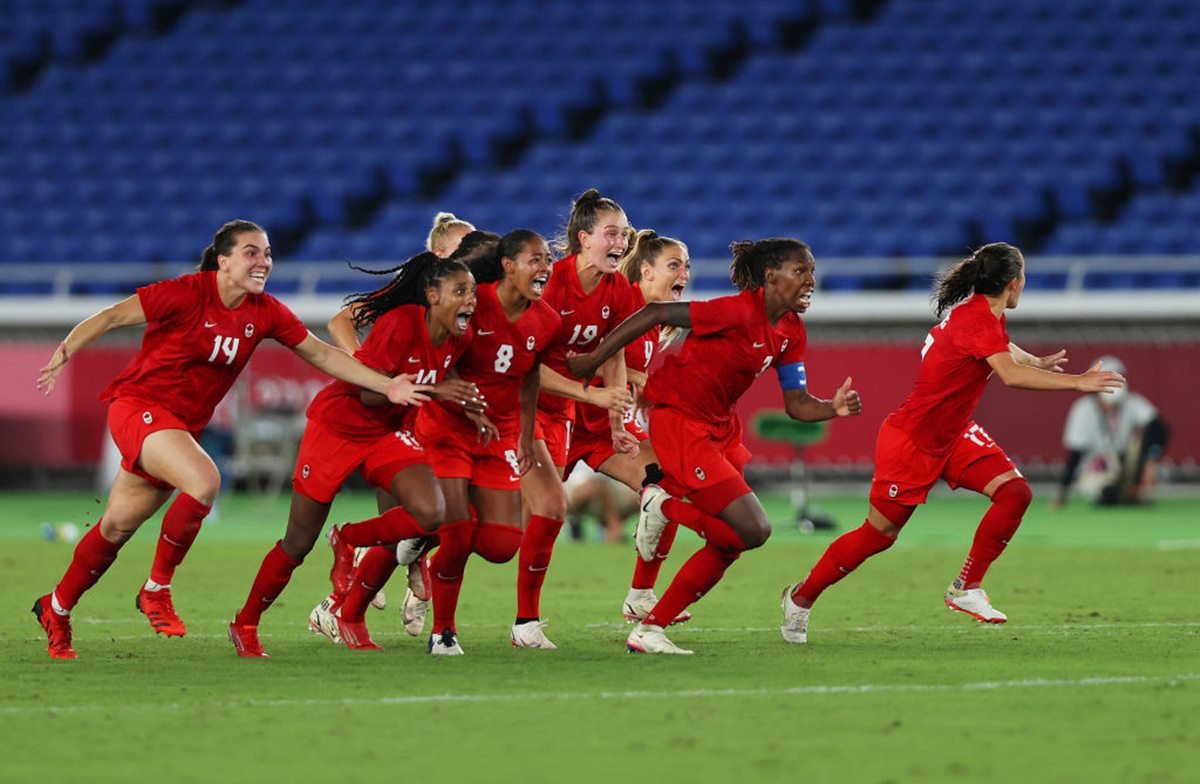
1114	444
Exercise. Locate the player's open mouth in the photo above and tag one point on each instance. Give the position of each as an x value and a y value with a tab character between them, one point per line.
463	319
806	298
538	284
614	259
677	292
259	275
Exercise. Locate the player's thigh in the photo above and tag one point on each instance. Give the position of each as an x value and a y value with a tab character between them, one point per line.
418	491
746	516
131	502
174	457
542	487
502	507
456	490
630	470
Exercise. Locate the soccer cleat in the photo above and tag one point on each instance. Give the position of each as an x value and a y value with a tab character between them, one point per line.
412	613
640	601
795	618
57	628
245	641
419	579
974	602
408	550
531	634
355	635
341	574
651	639
160	611
321	620
379	600
651	522
445	644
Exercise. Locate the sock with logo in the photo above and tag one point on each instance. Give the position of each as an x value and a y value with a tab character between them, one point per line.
273	576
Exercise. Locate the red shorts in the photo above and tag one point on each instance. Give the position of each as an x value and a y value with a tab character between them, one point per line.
455	452
557	433
591	440
326	459
700	456
905	474
130	421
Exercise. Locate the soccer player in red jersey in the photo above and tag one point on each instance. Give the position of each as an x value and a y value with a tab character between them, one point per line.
201	330
420	322
588	294
931	436
694	427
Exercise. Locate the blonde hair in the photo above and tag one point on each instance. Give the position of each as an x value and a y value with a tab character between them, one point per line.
444	223
644	249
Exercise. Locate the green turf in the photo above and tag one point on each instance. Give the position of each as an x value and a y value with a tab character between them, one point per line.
1096	678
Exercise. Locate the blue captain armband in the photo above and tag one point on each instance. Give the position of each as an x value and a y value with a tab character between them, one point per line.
792	376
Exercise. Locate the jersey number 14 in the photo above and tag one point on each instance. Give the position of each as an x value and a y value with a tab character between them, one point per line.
226	346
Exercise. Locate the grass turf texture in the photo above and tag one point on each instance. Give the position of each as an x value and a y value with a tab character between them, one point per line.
1095	678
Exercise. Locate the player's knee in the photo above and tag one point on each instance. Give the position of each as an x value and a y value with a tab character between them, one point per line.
204	487
1015	493
497	544
756	535
552	504
429	512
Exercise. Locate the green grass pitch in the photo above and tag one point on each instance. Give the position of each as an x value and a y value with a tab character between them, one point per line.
1096	677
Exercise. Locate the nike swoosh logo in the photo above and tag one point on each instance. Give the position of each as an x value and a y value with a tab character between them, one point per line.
759	345
485	332
210	324
538	569
565	312
414	359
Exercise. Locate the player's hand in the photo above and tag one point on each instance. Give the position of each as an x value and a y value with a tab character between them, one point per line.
1097	379
845	401
610	398
486	430
625	443
465	393
526	459
1052	362
404	391
582	366
48	374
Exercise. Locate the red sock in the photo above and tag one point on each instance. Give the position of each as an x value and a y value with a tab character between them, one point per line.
714	530
373	572
180	526
696	577
93	555
447	566
842	557
534	559
388	528
997	527
273	576
497	543
646	574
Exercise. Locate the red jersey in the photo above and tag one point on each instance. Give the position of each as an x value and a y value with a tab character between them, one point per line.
398	344
195	347
638	356
502	352
731	343
585	319
953	373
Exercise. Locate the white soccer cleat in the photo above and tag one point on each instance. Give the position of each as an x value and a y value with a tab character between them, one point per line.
974	602
651	522
531	635
651	639
321	620
445	644
379	601
640	601
795	618
412	613
409	550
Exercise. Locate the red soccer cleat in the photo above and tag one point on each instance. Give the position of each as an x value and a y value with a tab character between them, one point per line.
245	640
420	581
160	611
57	628
355	635
341	575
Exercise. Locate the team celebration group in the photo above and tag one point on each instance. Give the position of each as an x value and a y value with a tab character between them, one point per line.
488	370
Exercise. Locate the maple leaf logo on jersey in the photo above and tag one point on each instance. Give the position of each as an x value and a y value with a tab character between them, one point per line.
893	491
783	348
604	312
700	473
147	417
249	330
529	343
446	363
304	471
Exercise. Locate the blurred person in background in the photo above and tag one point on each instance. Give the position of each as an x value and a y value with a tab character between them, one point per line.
1114	443
201	330
932	436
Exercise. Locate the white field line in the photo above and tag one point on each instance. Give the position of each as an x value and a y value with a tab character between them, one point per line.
686	694
1179	544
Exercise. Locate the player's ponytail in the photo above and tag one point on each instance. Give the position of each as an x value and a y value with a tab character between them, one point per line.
986	271
751	260
224	242
408	287
444	224
584	213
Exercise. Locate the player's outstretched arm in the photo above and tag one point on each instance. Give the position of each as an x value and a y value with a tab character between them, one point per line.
609	398
1052	362
400	390
342	331
126	313
802	406
1096	379
672	314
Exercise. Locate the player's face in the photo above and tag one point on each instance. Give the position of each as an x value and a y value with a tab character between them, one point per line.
1015	287
604	246
792	283
530	269
249	264
453	302
667	275
445	249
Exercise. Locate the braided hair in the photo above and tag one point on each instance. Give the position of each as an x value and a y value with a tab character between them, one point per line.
986	271
408	287
751	260
224	241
